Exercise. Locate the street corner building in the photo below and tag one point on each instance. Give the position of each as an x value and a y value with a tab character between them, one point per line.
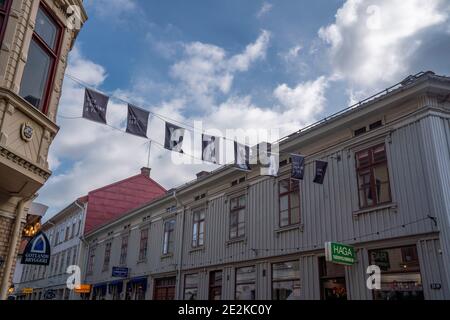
375	189
35	37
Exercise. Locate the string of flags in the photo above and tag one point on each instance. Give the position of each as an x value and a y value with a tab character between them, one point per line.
96	105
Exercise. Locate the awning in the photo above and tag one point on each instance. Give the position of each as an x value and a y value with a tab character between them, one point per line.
140	281
115	284
100	288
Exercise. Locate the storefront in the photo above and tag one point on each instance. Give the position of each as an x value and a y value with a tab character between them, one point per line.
400	273
164	288
332	281
115	289
136	289
99	291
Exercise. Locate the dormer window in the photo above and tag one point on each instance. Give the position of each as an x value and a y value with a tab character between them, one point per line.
43	55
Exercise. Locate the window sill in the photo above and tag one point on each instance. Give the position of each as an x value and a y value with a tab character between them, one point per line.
167	256
142	261
237	240
300	227
197	249
391	206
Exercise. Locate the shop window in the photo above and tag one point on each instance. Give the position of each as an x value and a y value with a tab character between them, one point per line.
286	281
43	56
373	177
215	285
237	217
400	273
190	287
245	283
164	289
332	281
289	203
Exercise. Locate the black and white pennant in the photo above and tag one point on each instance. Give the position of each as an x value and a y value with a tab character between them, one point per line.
298	167
242	156
174	138
95	106
321	170
137	121
210	148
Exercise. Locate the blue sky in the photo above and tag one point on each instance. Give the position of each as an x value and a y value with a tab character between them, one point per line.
232	64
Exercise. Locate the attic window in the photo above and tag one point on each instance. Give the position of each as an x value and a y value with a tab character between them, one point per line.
110	233
376	125
238	181
360	131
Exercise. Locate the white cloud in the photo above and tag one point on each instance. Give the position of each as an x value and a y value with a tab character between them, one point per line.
264	10
372	41
112	8
206	69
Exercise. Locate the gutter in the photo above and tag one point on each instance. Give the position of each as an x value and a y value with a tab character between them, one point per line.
180	254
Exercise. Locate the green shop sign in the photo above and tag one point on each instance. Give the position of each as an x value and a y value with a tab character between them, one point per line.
340	253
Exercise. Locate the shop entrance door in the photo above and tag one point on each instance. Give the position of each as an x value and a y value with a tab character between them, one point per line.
332	281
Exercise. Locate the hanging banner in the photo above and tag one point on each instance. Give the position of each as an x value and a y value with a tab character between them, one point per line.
270	163
210	149
242	156
174	138
298	167
95	105
321	170
37	251
137	121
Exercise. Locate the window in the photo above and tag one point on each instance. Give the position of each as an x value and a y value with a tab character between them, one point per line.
107	257
332	281
198	228
79	228
289	202
61	266
237	217
57	238
143	245
169	228
164	289
90	268
74	256
245	283
286	281
190	287
124	250
73	230
68	257
41	63
215	285
400	273
67	233
373	177
5	6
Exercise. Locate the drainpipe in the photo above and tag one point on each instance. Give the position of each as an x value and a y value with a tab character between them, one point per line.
83	243
180	255
13	245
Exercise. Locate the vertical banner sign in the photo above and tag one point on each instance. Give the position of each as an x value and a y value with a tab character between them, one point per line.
269	162
321	170
174	138
242	156
298	167
137	121
210	149
95	105
37	252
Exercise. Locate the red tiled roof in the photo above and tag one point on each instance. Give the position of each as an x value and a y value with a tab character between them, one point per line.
113	201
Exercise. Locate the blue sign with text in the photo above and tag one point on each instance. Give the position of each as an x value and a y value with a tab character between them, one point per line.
119	272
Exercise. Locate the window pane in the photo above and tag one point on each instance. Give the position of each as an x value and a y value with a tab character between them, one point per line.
286	290
295	216
190	294
284	218
284	186
284	202
241	229
191	281
400	287
396	260
286	271
362	159
247	274
46	29
245	292
35	75
295	200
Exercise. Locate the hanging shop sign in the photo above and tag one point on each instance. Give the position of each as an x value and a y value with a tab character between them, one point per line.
119	272
83	288
340	253
27	290
37	251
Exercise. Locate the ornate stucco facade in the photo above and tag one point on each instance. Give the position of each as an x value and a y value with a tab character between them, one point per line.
27	126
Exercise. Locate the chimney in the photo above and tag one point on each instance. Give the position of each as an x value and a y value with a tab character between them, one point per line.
202	174
146	171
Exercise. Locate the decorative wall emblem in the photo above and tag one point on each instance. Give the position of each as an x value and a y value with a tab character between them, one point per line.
27	131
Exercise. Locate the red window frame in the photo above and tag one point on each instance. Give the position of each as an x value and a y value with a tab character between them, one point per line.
4	13
293	188
53	53
143	244
367	169
164	288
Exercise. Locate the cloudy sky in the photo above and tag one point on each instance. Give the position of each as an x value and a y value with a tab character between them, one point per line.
230	64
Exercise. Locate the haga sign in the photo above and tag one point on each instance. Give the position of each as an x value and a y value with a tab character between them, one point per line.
37	251
340	253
